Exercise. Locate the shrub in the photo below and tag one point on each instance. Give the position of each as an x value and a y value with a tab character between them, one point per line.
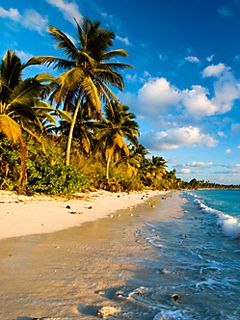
54	178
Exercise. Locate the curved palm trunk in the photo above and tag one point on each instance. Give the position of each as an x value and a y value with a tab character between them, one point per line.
70	136
107	169
23	175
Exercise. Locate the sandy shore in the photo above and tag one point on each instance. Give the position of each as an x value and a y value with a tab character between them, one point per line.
21	215
73	273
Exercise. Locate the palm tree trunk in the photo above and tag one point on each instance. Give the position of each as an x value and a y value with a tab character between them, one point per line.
23	175
107	169
70	136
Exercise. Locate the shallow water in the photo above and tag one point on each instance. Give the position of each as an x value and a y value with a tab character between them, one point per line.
196	262
135	263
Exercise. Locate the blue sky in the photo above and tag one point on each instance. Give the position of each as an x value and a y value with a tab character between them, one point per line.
185	88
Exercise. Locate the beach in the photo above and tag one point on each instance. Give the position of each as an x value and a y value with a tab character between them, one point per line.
22	215
73	273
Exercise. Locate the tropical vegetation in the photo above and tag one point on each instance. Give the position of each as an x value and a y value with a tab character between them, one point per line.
70	133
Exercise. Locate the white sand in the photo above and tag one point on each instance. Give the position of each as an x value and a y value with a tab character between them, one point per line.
20	215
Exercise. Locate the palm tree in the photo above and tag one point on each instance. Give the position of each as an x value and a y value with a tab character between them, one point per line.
87	70
137	154
158	168
118	126
83	130
20	103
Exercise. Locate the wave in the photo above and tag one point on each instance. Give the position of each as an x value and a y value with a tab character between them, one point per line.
230	225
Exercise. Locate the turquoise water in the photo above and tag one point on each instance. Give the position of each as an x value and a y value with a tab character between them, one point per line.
224	205
227	201
197	260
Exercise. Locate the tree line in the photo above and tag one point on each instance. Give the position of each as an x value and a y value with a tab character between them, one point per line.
70	133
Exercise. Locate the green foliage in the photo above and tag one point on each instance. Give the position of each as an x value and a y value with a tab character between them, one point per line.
105	149
54	178
9	165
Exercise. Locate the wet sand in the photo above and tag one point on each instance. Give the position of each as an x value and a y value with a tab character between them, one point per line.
72	273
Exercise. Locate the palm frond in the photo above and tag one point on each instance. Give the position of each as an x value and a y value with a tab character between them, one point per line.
65	115
10	128
64	42
11	69
55	62
108	76
91	93
116	66
114	53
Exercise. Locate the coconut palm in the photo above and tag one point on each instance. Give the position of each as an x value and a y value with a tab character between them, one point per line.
83	130
87	70
114	131
137	155
20	103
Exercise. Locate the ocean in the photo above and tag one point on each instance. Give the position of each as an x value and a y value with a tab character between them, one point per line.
197	272
186	267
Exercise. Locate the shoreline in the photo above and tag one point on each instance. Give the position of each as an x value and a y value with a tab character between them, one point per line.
22	215
75	272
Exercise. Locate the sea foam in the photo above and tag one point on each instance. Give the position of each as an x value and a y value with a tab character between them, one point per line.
230	225
170	315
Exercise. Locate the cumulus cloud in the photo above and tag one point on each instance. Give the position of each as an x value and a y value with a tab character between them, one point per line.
228	151
31	19
156	95
125	40
176	138
227	90
197	102
70	10
214	70
11	13
192	59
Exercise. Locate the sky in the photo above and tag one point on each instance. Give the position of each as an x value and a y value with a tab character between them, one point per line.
185	85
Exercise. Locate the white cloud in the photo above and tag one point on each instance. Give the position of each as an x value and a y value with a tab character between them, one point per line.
227	90
131	78
197	103
23	55
176	138
156	95
185	170
200	164
221	134
210	58
214	70
228	151
34	21
125	40
31	19
192	59
11	13
70	10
